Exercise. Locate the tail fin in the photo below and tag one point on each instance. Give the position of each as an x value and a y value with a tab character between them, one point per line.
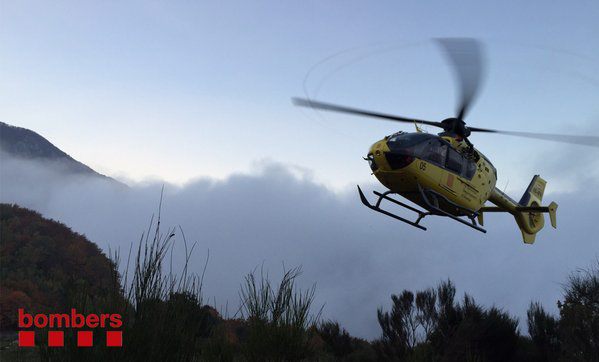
531	221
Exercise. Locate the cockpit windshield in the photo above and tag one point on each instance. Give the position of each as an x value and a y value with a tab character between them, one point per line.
413	144
409	139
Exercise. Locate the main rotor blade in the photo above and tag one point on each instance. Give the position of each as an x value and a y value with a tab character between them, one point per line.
342	109
564	138
466	57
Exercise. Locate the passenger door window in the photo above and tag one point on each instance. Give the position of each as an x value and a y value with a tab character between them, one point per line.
470	169
455	161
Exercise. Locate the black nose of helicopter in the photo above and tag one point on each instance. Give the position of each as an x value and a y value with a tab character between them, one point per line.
397	151
376	155
371	162
389	154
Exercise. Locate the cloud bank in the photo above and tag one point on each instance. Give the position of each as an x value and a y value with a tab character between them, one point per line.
357	258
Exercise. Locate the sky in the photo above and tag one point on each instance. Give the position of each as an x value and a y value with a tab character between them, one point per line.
178	90
196	95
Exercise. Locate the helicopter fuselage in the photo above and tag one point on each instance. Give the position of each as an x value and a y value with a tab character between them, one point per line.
408	163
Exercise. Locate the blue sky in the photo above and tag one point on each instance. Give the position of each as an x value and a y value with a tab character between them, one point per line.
180	90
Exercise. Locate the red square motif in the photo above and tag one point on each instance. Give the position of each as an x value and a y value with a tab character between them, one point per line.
56	339
26	339
114	338
85	339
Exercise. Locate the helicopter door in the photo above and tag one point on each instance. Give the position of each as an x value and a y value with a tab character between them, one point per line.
455	165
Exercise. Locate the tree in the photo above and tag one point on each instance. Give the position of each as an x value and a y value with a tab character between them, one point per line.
433	326
579	316
544	333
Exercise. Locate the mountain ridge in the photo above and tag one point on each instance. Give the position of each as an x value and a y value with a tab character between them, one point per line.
23	143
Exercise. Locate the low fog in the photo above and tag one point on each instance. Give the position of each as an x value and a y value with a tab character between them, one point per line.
276	217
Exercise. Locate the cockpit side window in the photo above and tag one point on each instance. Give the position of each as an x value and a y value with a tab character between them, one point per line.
435	151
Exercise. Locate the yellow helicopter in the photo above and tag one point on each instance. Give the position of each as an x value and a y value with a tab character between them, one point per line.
445	174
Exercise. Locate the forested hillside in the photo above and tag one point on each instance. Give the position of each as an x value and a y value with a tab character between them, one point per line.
47	267
44	265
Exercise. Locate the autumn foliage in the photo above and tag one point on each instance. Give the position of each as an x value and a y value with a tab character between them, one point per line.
45	265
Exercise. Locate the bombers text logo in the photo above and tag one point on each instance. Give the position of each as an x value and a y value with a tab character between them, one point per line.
85	324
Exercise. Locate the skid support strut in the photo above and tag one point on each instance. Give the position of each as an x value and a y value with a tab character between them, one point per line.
428	195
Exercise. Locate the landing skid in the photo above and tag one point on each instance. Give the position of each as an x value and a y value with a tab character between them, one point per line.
432	202
384	196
